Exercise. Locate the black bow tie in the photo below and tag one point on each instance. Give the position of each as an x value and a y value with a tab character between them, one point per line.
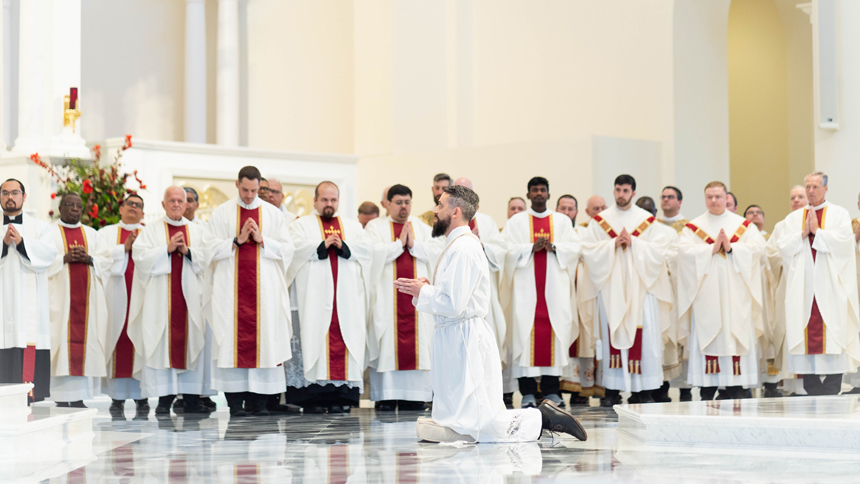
14	220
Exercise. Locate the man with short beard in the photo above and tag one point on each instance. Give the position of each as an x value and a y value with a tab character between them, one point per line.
121	383
398	337
773	345
540	265
79	317
722	344
28	252
626	254
330	270
822	328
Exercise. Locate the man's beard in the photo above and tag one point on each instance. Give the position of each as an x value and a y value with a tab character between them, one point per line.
328	212
622	202
440	226
11	206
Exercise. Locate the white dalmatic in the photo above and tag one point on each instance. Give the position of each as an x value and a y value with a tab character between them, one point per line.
79	317
249	303
582	375
166	316
634	295
547	352
822	332
467	370
333	322
121	356
398	339
719	301
24	285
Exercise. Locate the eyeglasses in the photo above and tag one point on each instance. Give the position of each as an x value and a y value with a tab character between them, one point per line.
13	193
133	204
276	192
263	190
755	212
73	205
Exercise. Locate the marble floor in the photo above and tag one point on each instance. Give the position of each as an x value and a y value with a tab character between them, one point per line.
366	446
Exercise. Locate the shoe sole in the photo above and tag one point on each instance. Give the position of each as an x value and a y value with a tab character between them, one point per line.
565	412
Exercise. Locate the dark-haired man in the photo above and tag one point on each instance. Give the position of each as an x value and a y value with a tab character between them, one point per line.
543	250
755	214
251	248
626	254
670	203
192	203
467	400
367	211
398	337
120	383
440	182
731	202
79	317
331	274
28	252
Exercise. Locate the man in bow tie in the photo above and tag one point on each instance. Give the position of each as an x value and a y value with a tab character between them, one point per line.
28	251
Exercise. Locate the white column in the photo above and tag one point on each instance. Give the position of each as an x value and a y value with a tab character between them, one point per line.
49	64
227	99
195	71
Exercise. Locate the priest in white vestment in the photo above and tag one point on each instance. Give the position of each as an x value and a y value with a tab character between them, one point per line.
120	383
495	247
331	273
399	337
276	198
250	249
28	252
467	376
822	331
773	351
719	298
539	291
166	316
626	253
79	317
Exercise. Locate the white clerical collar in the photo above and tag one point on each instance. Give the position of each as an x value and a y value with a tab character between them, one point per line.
819	207
129	227
176	223
458	232
724	214
680	216
69	226
543	214
249	206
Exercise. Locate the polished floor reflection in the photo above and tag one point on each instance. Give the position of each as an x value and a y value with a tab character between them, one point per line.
366	446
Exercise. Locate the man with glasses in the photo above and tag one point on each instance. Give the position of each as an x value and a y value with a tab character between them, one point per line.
120	383
79	317
755	214
28	251
263	193
276	198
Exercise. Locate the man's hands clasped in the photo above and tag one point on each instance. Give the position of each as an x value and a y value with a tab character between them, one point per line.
12	235
250	231
722	243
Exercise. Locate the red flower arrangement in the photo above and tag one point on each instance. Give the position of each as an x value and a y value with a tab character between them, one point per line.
102	188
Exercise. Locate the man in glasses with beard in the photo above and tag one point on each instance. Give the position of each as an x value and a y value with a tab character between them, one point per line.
331	269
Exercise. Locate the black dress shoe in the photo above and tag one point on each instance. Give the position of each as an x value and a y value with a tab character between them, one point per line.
313	409
579	401
411	406
335	409
63	404
385	406
611	400
646	397
555	419
634	398
207	402
117	409
686	394
237	411
159	410
661	395
78	404
142	405
508	399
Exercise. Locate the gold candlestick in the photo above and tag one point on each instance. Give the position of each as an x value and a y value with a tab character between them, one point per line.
70	116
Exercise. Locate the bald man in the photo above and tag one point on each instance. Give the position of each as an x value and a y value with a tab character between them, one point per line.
166	310
276	198
495	247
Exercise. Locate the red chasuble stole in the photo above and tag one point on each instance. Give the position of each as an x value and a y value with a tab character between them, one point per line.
336	351
79	298
543	336
815	332
712	363
123	354
247	294
634	354
177	309
405	315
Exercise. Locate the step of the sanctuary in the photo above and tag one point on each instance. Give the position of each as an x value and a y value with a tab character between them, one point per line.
40	442
825	424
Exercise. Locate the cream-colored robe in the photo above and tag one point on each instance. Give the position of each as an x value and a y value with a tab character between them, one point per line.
315	290
773	294
495	248
274	259
148	318
719	299
518	288
624	279
58	291
832	280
